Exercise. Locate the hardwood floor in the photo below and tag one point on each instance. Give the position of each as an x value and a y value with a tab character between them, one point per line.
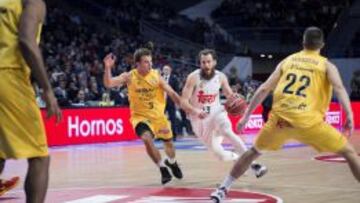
104	172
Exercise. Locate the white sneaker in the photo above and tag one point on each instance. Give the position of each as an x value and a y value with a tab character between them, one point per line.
259	170
218	195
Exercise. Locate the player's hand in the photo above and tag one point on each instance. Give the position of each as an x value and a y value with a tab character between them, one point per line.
235	95
201	114
242	122
109	60
233	98
126	77
52	107
349	126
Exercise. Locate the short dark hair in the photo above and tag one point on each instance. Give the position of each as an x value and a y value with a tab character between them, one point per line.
140	53
212	52
313	38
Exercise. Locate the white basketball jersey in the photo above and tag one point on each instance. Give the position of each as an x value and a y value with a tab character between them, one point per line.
206	94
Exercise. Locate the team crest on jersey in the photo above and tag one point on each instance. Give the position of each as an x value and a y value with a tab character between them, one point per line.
148	195
204	98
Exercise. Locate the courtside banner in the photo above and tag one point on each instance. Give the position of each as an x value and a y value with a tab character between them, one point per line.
333	117
356	112
101	125
90	125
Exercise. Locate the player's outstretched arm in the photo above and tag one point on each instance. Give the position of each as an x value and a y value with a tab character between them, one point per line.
340	92
33	15
260	94
109	80
264	89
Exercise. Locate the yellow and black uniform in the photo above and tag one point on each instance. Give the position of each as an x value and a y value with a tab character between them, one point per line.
147	103
301	99
22	133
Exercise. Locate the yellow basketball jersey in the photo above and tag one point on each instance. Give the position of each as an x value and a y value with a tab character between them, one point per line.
146	97
10	55
303	93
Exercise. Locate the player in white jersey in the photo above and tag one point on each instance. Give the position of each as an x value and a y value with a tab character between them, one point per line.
208	117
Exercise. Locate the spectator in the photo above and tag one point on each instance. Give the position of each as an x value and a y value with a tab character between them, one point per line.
106	100
355	86
170	108
80	99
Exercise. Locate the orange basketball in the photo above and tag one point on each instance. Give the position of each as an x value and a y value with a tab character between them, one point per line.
235	106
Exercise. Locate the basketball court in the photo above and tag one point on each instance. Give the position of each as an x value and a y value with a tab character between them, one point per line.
122	172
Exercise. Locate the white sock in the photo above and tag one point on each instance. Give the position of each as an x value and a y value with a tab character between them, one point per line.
171	160
219	151
161	163
228	181
224	155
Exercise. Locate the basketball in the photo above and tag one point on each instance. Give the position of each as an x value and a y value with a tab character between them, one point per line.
235	106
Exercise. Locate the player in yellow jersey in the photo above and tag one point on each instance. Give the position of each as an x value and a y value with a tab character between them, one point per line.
303	84
147	103
22	133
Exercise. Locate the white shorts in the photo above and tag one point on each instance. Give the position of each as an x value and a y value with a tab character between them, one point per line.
213	125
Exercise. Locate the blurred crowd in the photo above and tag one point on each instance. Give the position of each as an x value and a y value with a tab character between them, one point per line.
286	17
354	49
284	13
355	86
126	15
73	55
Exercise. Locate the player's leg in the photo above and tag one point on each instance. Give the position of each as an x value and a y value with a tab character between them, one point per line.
19	137
225	129
146	135
213	137
240	167
37	179
352	158
171	161
163	127
218	150
270	137
169	149
145	132
208	136
244	162
325	138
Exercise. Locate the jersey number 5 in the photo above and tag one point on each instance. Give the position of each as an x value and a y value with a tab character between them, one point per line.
305	80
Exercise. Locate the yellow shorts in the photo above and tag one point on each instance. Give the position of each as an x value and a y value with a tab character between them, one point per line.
322	136
160	127
22	133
